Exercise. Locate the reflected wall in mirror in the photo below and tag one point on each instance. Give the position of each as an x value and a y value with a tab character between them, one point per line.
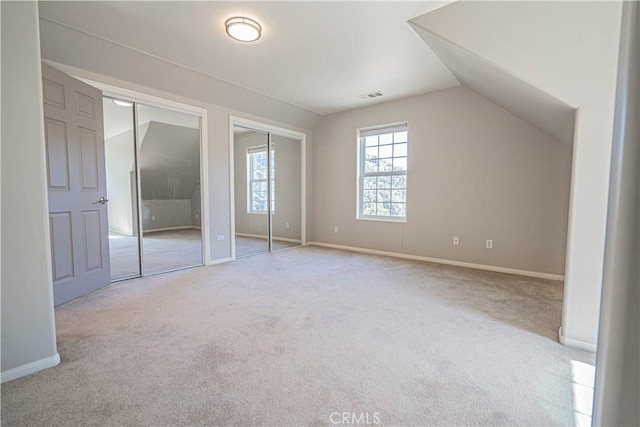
169	164
120	160
286	221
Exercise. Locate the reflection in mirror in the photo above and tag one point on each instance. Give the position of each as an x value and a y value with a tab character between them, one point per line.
251	194
286	220
169	163
120	160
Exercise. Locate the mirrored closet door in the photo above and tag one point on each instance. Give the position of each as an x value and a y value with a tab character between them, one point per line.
267	181
153	188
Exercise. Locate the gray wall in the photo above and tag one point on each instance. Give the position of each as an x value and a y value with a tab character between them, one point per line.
28	328
617	388
169	175
121	185
475	171
288	187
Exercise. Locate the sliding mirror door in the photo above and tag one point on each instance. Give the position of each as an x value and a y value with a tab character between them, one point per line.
286	221
169	164
122	185
252	191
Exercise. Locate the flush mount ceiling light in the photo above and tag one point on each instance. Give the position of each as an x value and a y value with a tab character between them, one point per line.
243	29
122	103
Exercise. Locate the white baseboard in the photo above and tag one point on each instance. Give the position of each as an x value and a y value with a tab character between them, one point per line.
218	261
184	227
493	268
30	368
580	345
259	236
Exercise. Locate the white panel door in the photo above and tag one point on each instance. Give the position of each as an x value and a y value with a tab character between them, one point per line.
76	180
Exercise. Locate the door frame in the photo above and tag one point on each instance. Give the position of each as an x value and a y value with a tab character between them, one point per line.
155	101
275	130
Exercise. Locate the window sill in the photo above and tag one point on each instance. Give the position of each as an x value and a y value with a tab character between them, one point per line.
383	219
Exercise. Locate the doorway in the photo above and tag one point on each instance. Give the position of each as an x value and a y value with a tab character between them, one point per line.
268	188
154	189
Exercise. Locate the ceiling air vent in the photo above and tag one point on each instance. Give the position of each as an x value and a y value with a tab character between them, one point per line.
371	95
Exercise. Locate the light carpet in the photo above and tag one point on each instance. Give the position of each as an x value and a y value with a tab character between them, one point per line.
292	337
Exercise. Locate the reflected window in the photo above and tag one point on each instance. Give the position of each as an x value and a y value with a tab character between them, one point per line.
257	180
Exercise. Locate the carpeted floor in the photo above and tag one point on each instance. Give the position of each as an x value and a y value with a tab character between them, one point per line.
293	337
163	251
249	246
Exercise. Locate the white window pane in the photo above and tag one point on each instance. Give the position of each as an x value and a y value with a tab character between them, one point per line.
371	152
400	150
385	165
383	209
400	181
387	138
384	196
370	182
369	209
369	196
371	141
398	209
398	196
386	151
400	136
400	164
384	182
371	165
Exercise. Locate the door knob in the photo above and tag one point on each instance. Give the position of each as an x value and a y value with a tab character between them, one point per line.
101	200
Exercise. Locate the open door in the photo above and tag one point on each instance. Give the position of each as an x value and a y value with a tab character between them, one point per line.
76	179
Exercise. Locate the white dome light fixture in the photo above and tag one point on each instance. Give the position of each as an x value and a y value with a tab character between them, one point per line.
243	29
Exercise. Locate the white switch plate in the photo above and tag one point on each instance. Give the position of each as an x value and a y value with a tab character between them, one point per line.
456	240
335	229
196	216
220	237
153	217
489	244
286	225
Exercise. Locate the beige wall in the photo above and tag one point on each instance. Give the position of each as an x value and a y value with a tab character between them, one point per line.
288	187
569	50
475	171
28	327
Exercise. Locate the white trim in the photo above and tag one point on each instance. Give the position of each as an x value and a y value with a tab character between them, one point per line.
259	236
493	268
580	345
30	368
220	261
276	130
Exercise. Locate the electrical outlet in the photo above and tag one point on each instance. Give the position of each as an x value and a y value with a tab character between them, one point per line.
456	240
220	237
153	217
286	225
489	244
197	216
335	229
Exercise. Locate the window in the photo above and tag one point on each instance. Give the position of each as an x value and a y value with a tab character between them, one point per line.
257	180
382	180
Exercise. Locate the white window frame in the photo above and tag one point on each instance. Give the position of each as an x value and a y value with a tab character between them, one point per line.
361	144
250	180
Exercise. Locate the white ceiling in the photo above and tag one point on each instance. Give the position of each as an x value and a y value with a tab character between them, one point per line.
316	55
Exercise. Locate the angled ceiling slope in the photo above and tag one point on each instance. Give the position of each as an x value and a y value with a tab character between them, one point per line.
531	104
